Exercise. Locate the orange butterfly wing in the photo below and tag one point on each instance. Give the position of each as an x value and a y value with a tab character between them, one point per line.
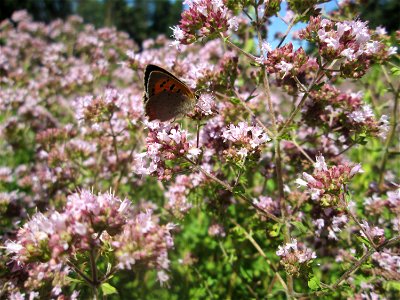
166	96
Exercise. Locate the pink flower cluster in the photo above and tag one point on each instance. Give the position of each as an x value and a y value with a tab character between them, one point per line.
349	42
267	204
326	185
164	142
333	225
295	257
216	230
388	261
378	205
87	222
343	115
247	138
177	195
101	108
375	233
144	243
205	107
286	62
203	18
39	275
58	235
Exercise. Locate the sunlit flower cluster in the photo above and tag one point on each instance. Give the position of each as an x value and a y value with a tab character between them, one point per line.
61	234
285	61
164	142
348	41
295	256
203	18
144	241
51	241
346	112
326	185
247	138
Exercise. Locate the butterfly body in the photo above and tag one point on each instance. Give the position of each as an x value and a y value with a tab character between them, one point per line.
166	97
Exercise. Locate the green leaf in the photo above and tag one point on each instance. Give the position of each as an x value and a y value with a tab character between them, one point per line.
275	230
300	226
395	71
239	190
246	274
318	86
314	283
392	285
108	289
74	280
234	100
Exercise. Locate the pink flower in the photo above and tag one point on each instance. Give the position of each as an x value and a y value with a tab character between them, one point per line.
285	61
144	242
294	255
164	142
267	204
216	230
349	41
203	18
326	184
252	136
177	195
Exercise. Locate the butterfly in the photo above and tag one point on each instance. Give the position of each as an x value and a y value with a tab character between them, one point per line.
166	97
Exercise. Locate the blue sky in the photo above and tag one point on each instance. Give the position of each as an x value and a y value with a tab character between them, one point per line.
277	25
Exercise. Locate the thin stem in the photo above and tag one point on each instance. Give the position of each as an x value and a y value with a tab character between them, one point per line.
262	253
80	273
278	161
247	14
346	149
302	151
230	188
354	218
108	276
390	137
114	139
300	105
304	89
232	45
205	283
93	267
292	22
354	267
198	133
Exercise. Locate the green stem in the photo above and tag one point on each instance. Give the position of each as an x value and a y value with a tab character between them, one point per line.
230	188
80	273
232	45
278	161
391	135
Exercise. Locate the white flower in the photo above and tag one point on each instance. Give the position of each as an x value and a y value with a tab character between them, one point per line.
162	277
380	30
300	182
243	152
392	50
233	23
178	34
284	67
194	152
130	54
320	164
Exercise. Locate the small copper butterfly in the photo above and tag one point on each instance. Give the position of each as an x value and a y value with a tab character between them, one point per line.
165	97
